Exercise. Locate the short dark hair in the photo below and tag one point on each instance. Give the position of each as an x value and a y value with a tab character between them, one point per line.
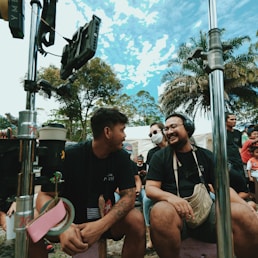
187	122
106	117
252	148
160	125
252	128
227	114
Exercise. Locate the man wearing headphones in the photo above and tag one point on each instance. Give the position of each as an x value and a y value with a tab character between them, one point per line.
171	212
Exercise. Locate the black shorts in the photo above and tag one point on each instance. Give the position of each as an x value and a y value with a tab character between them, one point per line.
108	235
206	232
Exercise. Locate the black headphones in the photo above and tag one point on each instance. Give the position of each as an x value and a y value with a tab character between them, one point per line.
188	123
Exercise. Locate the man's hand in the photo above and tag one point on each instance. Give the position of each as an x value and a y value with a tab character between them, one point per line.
182	207
11	210
71	241
91	232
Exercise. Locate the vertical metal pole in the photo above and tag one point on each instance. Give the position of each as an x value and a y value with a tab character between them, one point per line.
215	62
27	135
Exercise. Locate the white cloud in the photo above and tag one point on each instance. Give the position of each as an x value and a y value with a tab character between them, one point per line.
137	38
197	24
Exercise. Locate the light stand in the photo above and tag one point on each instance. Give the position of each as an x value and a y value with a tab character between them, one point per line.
75	54
27	133
215	68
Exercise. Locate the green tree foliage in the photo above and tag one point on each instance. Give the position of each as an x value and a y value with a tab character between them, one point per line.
187	83
147	109
94	81
4	123
96	85
141	108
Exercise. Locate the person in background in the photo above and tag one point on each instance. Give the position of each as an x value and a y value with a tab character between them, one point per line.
252	167
252	133
10	166
138	183
252	139
244	136
3	213
170	213
93	169
158	138
142	168
237	176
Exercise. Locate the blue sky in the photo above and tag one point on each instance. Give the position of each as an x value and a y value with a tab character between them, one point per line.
136	38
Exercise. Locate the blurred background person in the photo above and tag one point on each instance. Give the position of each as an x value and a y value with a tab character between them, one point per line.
158	138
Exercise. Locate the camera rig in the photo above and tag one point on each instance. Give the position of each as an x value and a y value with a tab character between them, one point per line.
81	48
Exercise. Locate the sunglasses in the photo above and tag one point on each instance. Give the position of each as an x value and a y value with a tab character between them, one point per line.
154	132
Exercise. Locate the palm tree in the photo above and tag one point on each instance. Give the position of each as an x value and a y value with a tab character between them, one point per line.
187	83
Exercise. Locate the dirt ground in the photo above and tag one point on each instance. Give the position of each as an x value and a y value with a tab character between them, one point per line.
113	249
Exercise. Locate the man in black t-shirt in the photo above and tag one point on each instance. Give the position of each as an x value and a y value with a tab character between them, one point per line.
237	177
95	169
171	212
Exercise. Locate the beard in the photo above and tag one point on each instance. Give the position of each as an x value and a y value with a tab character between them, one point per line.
176	142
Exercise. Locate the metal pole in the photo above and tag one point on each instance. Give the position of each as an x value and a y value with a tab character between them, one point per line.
216	67
27	135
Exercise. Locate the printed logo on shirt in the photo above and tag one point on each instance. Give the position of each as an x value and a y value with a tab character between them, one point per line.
109	178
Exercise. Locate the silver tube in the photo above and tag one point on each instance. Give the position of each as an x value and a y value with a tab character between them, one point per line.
27	131
212	14
224	232
215	62
23	215
32	60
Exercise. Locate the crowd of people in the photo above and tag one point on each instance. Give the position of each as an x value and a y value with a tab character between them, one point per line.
163	184
240	150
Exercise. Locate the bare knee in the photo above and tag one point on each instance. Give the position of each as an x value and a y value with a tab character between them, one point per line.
245	230
132	224
135	219
164	214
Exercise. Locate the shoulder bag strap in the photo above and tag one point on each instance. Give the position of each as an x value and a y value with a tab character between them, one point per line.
175	172
175	168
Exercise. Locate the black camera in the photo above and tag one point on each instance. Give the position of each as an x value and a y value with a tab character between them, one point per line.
81	48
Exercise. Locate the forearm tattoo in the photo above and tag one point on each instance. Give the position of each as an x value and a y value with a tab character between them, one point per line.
125	204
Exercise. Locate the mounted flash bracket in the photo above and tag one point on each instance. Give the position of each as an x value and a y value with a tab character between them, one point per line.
213	59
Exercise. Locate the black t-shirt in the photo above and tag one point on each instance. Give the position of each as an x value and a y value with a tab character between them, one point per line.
134	168
86	177
142	176
234	142
10	166
143	167
161	169
150	154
